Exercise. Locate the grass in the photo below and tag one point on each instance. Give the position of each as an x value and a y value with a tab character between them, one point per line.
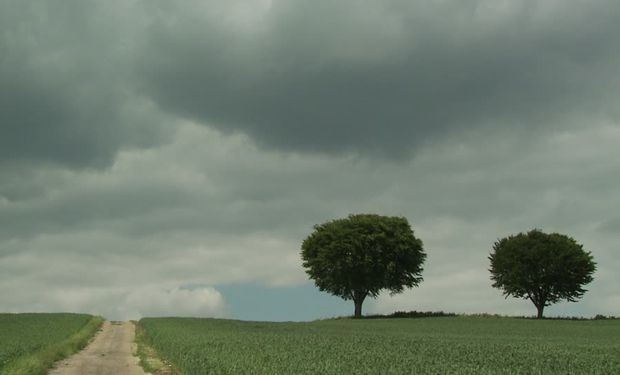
31	343
149	358
434	345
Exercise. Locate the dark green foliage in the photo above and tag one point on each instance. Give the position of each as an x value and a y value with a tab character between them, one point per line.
361	255
543	268
447	345
605	317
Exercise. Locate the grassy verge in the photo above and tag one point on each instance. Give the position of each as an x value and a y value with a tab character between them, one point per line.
150	360
39	362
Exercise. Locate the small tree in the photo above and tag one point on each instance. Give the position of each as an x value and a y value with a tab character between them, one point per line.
361	255
543	268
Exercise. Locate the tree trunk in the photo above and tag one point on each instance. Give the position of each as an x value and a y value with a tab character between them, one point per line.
540	301
358	308
358	299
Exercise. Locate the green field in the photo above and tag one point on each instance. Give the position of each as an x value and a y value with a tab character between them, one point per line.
443	345
30	343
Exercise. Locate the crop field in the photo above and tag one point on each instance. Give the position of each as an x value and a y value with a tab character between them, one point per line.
29	342
443	345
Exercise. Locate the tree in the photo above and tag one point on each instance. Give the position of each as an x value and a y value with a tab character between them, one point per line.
543	268
358	256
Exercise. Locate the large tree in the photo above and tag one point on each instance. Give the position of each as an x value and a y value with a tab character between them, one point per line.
361	255
543	268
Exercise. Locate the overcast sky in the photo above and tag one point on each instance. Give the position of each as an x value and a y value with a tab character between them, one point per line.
168	157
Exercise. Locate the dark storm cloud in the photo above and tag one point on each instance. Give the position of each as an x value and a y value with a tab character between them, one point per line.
63	93
78	78
382	76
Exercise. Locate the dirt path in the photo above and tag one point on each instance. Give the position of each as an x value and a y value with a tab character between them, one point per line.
109	353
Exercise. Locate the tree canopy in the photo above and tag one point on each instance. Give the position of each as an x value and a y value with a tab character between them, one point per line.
543	268
361	255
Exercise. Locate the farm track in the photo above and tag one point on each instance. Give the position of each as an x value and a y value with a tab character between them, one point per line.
110	353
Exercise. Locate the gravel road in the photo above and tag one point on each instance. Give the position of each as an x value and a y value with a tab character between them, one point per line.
110	353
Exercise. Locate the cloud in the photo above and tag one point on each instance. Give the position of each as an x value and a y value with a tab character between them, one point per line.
383	78
214	209
203	302
150	146
64	90
123	303
80	82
